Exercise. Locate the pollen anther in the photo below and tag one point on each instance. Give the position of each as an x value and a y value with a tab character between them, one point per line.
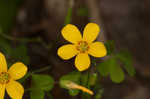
82	46
4	78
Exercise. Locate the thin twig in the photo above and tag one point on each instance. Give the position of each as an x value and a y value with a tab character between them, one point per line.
36	40
68	17
41	69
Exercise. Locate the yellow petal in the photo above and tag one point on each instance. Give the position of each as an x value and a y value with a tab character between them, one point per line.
2	91
82	61
91	32
15	90
84	89
17	70
97	49
67	51
71	33
3	64
72	85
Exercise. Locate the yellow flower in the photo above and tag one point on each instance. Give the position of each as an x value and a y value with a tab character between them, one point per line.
72	85
8	79
81	46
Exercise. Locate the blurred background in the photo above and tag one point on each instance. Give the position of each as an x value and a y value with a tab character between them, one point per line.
30	32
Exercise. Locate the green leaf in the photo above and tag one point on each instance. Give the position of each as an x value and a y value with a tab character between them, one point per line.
110	46
111	67
42	82
37	94
116	73
74	77
126	58
103	68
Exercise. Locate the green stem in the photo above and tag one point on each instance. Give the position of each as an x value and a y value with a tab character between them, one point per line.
68	17
33	72
38	40
41	69
69	13
18	39
88	85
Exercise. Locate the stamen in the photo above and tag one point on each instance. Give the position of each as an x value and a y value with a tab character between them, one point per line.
82	46
4	78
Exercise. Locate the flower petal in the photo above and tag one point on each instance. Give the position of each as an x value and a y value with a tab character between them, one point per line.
2	91
82	61
84	89
15	90
17	70
71	33
3	64
67	51
91	32
97	49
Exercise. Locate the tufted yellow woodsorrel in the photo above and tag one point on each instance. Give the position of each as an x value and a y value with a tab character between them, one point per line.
8	79
81	46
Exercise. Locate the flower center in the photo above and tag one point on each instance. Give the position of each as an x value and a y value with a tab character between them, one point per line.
4	77
82	46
